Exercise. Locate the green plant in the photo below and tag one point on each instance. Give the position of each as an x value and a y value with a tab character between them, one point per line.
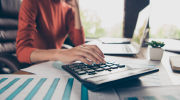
156	44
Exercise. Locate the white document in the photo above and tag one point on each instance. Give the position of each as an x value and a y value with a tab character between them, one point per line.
150	93
50	68
57	87
156	79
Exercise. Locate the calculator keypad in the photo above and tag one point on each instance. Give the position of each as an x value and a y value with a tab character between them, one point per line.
98	75
82	69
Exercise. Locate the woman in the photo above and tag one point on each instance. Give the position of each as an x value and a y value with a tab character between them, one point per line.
43	27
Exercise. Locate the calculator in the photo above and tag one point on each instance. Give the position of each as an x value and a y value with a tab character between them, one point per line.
99	76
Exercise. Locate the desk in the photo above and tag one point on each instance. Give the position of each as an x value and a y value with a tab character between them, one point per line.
144	54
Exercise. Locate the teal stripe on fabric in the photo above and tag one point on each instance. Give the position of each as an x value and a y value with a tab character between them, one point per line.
67	91
3	79
19	89
149	98
51	89
9	85
35	89
84	93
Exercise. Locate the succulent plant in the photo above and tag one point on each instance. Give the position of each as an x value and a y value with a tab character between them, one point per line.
156	44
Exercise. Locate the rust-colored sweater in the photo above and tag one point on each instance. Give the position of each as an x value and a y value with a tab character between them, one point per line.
45	24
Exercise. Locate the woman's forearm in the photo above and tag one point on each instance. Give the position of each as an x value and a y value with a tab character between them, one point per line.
80	53
78	24
43	55
75	5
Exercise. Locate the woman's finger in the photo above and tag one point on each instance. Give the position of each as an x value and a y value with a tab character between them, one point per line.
84	60
96	48
87	55
92	52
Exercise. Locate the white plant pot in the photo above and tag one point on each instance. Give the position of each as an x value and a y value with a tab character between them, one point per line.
156	53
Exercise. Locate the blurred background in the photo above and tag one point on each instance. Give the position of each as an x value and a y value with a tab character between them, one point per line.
104	18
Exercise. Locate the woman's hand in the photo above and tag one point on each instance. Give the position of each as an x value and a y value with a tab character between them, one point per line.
72	3
84	53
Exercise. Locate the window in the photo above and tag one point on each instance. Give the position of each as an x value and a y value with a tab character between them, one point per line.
102	18
165	19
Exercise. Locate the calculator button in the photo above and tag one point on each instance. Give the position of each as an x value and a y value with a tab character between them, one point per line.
97	64
99	69
109	64
121	66
106	68
90	71
85	68
74	68
93	63
71	66
81	72
114	67
77	70
117	64
95	67
90	66
80	64
102	65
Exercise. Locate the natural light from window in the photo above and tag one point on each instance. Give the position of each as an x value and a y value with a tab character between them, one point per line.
165	19
102	18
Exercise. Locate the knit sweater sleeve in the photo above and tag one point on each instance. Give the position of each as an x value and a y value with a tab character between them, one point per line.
26	30
77	36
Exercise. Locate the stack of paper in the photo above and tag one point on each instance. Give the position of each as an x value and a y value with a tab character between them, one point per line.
35	87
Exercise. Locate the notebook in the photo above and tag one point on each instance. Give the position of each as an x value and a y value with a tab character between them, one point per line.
172	48
175	63
111	40
138	37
